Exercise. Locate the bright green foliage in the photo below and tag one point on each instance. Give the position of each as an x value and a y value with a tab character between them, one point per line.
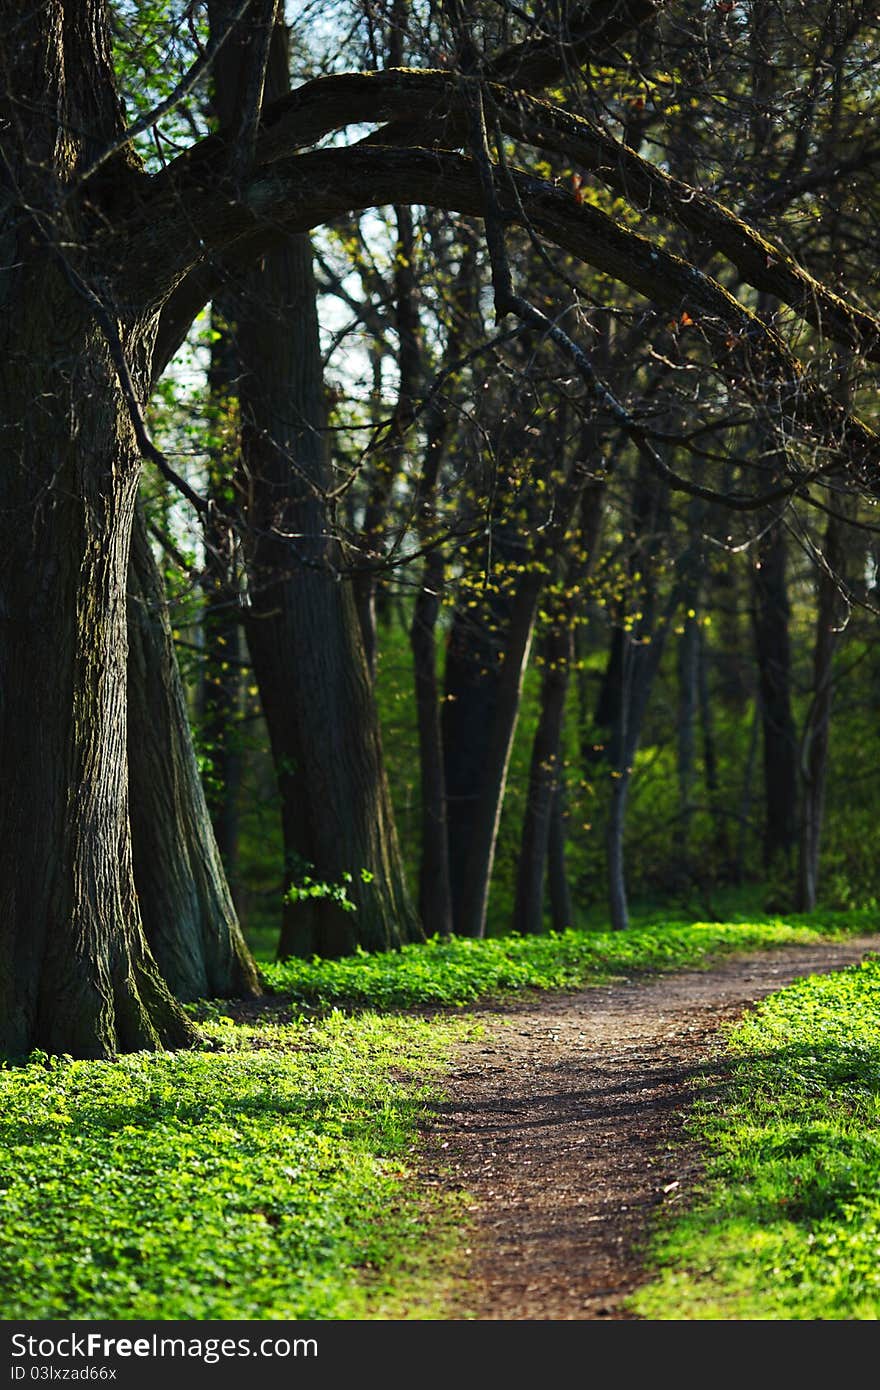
461	970
787	1222
264	1179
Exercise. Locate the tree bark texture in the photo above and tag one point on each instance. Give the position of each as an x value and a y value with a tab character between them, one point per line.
304	637
76	974
302	626
187	910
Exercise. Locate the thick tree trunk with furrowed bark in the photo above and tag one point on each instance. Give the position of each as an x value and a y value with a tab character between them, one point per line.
76	974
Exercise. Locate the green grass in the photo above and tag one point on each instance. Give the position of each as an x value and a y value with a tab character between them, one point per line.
786	1224
461	971
266	1179
270	1174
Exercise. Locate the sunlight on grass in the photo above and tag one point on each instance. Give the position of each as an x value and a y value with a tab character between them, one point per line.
271	1174
267	1179
463	970
787	1222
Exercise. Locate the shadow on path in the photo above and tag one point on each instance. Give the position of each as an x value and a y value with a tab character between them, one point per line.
565	1126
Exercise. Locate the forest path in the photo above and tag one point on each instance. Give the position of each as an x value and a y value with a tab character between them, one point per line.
564	1125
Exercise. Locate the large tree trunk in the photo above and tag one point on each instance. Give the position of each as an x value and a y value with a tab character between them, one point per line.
188	915
76	974
305	640
302	625
501	708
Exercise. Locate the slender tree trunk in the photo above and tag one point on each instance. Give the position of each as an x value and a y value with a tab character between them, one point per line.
817	728
544	778
368	589
773	649
831	578
633	664
545	793
188	916
690	568
611	691
745	803
435	899
220	696
435	885
710	757
618	903
688	699
390	460
561	908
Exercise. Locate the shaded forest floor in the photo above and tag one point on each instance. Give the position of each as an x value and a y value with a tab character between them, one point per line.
565	1127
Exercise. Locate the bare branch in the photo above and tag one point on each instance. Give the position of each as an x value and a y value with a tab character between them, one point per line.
174	98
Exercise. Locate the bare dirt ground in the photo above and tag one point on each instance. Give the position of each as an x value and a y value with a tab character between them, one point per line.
565	1127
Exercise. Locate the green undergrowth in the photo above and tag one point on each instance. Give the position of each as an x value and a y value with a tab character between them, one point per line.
264	1177
786	1223
463	970
271	1173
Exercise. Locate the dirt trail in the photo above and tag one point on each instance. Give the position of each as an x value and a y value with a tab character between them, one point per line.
565	1125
